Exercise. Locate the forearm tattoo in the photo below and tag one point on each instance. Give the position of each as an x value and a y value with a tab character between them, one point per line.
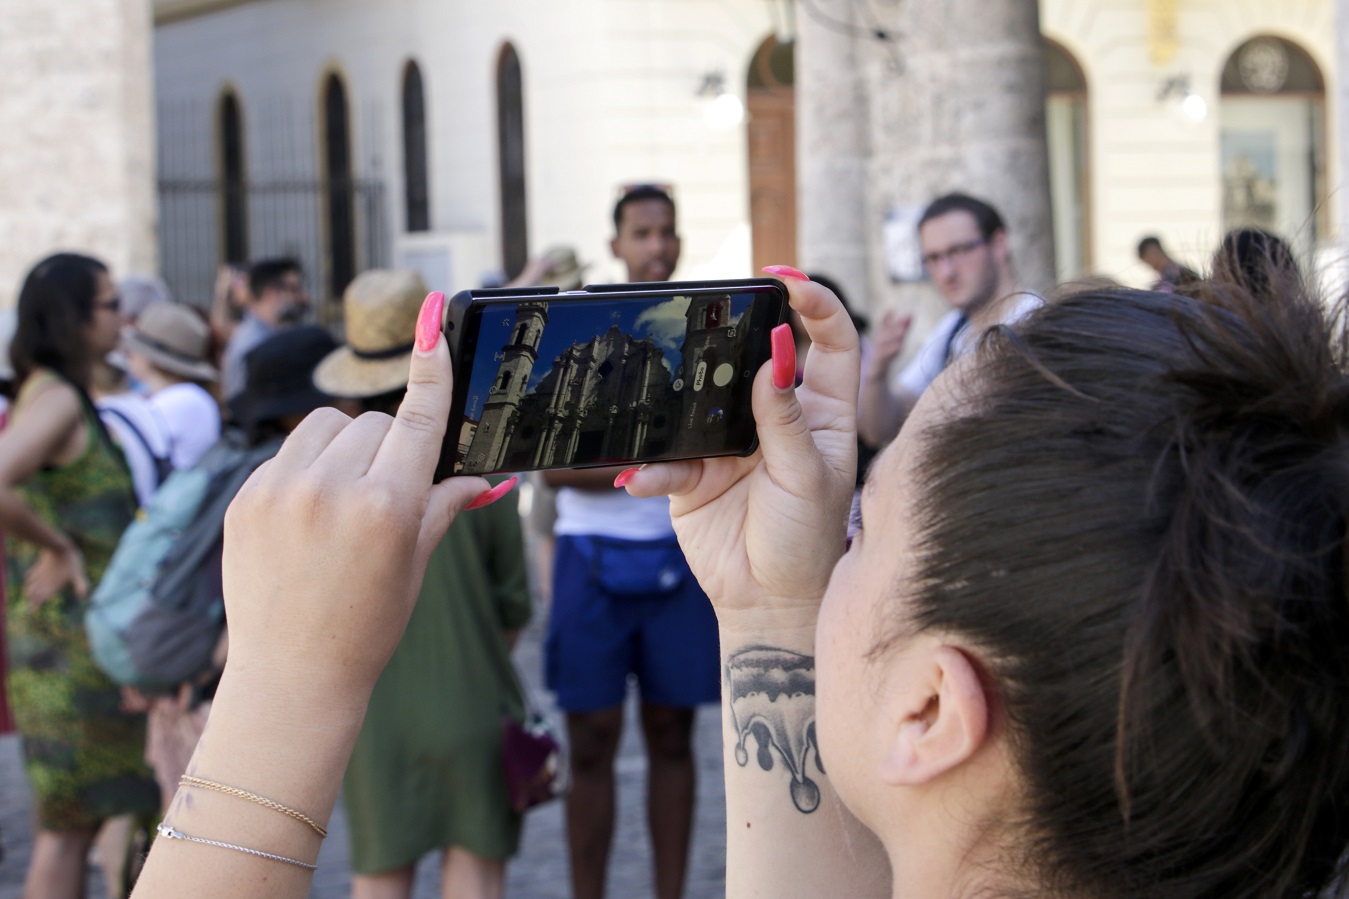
772	695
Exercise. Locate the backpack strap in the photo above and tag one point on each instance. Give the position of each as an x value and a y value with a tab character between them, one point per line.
163	464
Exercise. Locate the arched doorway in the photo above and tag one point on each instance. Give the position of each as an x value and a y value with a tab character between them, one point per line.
233	188
338	187
416	185
1066	136
1272	121
511	161
770	100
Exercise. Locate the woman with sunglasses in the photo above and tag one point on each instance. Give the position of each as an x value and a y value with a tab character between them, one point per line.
65	498
1089	642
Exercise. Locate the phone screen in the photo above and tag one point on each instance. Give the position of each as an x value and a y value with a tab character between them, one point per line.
569	381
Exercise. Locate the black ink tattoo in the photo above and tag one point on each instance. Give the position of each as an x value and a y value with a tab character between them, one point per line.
773	700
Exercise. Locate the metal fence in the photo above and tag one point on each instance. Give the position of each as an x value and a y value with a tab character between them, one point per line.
275	203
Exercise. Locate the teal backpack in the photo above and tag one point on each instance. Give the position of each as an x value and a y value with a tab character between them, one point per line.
157	613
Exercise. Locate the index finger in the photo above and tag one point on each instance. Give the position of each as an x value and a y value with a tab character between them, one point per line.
409	452
834	363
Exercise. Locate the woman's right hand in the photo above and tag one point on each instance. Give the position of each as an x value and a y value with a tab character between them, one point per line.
763	532
53	571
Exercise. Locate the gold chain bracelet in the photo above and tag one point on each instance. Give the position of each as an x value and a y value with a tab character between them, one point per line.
188	780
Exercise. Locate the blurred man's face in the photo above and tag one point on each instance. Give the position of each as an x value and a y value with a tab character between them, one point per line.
1154	258
963	264
646	241
292	299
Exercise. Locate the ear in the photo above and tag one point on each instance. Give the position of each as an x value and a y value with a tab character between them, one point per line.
999	244
613	247
942	720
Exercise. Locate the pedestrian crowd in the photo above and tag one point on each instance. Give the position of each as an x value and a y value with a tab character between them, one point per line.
1077	613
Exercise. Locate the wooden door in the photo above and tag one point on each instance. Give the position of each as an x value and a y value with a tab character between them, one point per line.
772	174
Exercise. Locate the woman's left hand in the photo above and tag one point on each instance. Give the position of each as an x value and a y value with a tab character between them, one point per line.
326	544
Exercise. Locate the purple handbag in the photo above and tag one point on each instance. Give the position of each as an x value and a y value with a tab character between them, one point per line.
531	754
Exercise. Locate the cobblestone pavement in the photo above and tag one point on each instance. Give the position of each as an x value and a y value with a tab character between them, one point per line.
540	870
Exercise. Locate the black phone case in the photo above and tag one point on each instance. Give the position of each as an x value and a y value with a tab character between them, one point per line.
460	305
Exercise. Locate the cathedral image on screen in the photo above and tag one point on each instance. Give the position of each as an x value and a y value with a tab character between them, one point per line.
610	396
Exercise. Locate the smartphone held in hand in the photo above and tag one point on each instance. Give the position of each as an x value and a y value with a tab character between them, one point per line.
614	374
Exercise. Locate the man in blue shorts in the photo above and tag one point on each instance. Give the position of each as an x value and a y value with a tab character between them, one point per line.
626	605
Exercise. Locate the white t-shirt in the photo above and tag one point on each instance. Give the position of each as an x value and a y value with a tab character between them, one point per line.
923	369
612	514
191	420
140	439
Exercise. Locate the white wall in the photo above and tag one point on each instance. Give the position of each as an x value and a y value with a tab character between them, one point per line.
76	126
1151	171
609	99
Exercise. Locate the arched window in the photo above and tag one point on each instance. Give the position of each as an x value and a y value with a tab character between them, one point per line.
1066	135
1272	121
233	189
511	161
338	188
416	189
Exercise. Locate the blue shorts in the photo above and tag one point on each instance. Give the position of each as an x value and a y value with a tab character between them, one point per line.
624	607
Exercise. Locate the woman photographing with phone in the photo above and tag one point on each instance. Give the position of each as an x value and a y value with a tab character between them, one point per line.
1088	643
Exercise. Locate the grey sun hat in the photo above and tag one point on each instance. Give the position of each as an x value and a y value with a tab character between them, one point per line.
174	338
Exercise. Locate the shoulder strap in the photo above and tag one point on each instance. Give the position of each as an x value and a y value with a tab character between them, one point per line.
163	465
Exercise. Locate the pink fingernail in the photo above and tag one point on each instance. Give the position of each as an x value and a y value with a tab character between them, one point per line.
487	497
786	271
428	322
784	356
625	476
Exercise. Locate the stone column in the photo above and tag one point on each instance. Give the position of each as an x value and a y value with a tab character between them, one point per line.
77	163
956	102
831	151
1340	110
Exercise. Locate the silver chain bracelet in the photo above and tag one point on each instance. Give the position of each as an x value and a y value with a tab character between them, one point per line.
169	833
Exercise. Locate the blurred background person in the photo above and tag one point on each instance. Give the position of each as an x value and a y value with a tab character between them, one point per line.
65	497
278	300
426	773
1171	275
167	352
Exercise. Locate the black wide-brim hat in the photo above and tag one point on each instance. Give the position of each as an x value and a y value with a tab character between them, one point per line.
280	376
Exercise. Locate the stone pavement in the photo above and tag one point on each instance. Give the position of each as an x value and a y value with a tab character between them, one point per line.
538	872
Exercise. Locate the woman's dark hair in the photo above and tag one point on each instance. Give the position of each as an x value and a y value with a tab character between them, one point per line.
56	303
1138	520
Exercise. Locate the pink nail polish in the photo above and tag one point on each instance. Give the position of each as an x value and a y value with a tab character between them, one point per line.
487	497
428	322
624	477
786	271
784	357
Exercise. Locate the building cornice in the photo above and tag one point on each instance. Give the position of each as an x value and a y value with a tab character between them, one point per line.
169	11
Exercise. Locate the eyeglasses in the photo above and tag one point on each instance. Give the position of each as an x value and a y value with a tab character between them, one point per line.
111	305
955	253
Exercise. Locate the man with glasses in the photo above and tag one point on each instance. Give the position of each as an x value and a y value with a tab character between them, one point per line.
965	252
279	300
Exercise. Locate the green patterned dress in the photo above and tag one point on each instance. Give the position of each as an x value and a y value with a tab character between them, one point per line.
85	758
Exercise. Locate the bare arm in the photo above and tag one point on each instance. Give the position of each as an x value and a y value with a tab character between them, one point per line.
314	616
880	412
41	428
762	534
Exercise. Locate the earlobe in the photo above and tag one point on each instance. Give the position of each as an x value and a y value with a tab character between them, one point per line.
942	722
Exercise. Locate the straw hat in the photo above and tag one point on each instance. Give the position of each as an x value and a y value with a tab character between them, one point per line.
380	311
174	338
564	269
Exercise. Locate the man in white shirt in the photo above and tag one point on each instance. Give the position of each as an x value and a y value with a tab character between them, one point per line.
965	252
625	604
